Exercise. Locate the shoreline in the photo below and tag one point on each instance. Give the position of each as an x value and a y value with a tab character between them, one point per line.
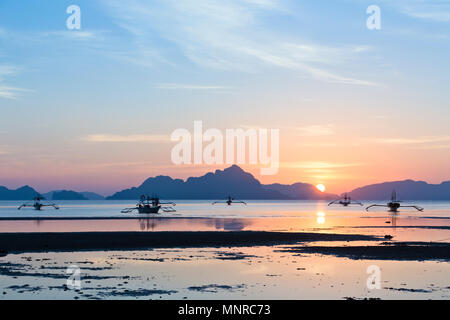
107	241
109	218
158	217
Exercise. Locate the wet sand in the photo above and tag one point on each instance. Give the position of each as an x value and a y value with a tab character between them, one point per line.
259	273
78	241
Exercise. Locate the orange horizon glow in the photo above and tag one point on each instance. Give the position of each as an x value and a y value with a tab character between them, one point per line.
108	180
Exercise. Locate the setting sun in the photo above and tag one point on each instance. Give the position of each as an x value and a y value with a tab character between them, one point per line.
321	187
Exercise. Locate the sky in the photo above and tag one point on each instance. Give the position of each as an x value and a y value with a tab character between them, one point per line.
93	109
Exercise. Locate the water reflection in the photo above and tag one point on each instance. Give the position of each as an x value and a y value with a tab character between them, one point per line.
393	221
158	224
232	225
37	222
321	217
147	224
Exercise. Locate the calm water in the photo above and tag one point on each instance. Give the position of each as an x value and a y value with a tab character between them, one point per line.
217	273
185	208
313	216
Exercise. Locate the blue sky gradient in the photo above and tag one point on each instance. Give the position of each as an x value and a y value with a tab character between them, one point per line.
146	68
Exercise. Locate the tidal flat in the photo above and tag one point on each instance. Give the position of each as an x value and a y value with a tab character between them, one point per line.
268	250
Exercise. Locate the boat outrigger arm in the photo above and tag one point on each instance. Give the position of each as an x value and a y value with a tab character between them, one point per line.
395	204
38	204
393	207
155	209
345	201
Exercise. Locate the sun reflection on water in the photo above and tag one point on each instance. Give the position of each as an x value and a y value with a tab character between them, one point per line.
321	217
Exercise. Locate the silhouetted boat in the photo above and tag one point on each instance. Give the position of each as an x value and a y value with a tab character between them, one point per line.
230	201
38	204
345	201
148	205
394	204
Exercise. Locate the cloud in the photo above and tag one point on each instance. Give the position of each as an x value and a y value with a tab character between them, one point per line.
125	138
10	92
4	149
70	34
227	35
434	10
316	131
436	147
409	141
176	86
43	37
322	165
436	16
7	91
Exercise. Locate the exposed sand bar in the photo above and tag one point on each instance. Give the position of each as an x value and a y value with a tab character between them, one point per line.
79	241
419	251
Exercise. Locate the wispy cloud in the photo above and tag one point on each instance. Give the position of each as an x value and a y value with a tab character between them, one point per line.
10	92
436	147
179	86
70	34
43	36
316	131
410	141
126	138
4	149
321	170
7	91
228	35
433	10
319	165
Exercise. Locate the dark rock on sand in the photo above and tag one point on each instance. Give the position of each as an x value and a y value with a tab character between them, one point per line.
214	288
386	251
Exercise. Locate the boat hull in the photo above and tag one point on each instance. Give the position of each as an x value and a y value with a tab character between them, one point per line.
148	209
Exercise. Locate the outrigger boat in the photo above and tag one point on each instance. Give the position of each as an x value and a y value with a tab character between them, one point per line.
345	201
230	201
147	205
38	204
394	204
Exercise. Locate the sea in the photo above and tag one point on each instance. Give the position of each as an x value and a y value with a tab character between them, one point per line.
259	272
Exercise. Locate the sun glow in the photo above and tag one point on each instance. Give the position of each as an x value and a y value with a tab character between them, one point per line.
321	187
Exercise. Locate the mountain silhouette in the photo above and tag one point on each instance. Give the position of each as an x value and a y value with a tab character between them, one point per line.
299	191
231	181
92	195
28	193
406	190
23	193
241	185
65	195
72	195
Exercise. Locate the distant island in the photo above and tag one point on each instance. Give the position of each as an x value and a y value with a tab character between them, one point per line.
64	195
28	193
406	190
242	185
218	185
23	193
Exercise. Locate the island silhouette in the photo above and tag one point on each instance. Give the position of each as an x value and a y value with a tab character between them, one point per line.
243	185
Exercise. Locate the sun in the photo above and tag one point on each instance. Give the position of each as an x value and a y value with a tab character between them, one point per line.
321	187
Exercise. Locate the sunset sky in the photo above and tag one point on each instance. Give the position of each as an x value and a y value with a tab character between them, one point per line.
93	109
